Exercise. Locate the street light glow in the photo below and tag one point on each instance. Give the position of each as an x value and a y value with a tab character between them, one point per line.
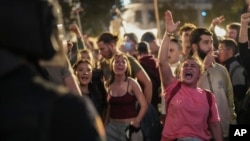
220	31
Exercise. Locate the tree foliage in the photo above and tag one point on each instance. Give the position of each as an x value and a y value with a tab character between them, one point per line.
96	15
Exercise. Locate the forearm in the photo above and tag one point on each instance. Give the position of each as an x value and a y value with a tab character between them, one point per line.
106	119
142	112
148	91
243	35
80	43
163	51
216	131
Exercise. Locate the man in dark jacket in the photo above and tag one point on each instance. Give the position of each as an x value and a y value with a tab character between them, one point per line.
31	108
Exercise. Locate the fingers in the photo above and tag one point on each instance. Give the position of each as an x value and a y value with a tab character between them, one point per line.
213	53
170	25
221	18
73	27
209	59
246	15
168	16
218	20
177	23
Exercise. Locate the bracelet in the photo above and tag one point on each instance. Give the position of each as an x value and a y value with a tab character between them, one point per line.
170	34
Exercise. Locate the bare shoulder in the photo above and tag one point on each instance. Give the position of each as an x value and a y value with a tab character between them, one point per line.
132	81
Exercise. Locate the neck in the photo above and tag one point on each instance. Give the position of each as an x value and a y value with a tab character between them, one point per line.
84	88
119	78
186	51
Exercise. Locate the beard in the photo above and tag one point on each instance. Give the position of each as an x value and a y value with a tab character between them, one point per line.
109	54
201	53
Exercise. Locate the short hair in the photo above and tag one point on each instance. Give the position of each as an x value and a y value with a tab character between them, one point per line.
173	39
132	37
148	37
195	35
107	37
234	25
143	47
186	27
230	44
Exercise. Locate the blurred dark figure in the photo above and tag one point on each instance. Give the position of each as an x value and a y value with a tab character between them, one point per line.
150	65
31	108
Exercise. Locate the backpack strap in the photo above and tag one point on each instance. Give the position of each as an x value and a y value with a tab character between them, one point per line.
171	95
209	100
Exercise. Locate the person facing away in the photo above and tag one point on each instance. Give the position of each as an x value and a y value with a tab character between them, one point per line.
107	44
216	77
31	107
226	56
123	94
150	65
188	114
150	38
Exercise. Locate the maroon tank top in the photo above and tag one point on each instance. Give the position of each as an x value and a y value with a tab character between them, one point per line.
123	107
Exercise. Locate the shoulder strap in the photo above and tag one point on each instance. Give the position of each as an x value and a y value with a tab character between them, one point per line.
209	100
128	85
171	95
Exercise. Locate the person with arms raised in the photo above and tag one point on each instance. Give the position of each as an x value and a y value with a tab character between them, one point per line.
189	114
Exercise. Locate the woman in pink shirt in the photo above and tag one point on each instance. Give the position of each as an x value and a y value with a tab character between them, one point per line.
190	117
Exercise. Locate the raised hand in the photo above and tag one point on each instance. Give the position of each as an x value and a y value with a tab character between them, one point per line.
74	28
218	20
210	59
169	22
245	18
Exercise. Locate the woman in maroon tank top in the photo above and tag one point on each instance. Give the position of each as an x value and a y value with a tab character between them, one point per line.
124	93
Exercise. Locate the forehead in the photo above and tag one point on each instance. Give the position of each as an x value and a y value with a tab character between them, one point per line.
187	32
222	46
85	53
173	45
101	44
190	61
206	38
120	57
231	30
84	64
126	38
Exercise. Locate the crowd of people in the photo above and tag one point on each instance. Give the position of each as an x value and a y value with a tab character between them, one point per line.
196	81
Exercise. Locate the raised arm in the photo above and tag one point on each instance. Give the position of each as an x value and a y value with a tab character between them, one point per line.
216	21
244	50
166	74
243	35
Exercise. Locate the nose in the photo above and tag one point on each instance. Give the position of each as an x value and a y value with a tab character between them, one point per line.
86	72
